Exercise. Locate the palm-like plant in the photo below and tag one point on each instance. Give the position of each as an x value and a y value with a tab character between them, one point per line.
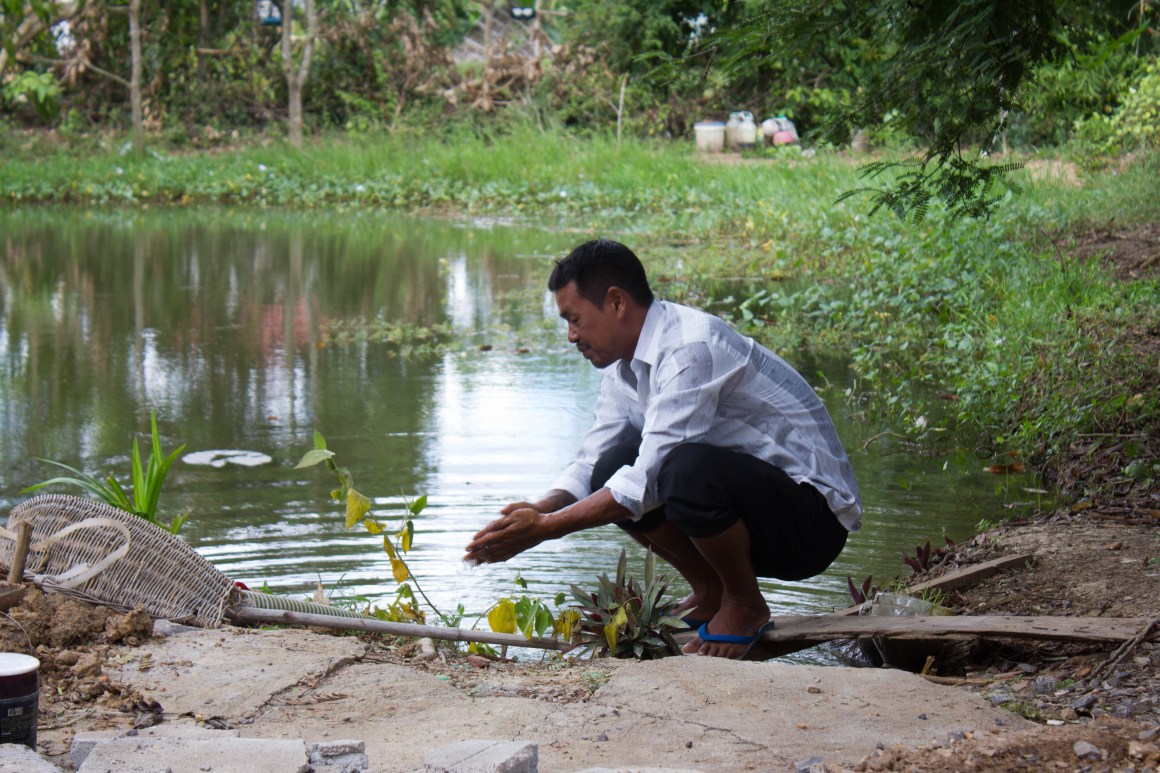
627	619
145	483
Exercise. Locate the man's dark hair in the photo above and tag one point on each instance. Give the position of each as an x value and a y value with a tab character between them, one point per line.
599	264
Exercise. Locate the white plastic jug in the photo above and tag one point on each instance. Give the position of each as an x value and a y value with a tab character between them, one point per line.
746	131
731	131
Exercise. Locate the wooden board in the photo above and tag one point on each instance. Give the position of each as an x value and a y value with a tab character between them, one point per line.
814	630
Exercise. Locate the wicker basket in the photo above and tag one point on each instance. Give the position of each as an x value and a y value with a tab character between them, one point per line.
96	552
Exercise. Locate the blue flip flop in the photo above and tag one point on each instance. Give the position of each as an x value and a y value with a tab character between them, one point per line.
729	638
694	623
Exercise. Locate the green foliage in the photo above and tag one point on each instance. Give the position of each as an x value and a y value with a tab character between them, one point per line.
1134	125
40	88
146	481
405	607
625	618
532	616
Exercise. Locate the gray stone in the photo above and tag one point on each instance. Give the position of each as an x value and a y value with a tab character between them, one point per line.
1087	751
142	754
483	756
810	765
346	756
1084	702
18	758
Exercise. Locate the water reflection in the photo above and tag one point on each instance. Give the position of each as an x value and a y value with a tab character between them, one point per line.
211	319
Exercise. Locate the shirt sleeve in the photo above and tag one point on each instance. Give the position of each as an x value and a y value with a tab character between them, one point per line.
687	387
611	423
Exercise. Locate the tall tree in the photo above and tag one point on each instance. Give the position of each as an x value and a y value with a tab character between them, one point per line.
296	74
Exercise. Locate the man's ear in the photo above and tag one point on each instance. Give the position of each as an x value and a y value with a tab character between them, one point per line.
618	300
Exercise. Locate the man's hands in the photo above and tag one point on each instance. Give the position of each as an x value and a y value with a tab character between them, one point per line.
524	525
520	528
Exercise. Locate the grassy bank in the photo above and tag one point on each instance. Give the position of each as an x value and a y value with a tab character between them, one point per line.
997	334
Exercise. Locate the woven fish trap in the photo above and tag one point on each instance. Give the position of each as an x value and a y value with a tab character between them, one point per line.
101	554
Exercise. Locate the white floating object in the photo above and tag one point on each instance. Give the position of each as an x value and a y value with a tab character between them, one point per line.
222	458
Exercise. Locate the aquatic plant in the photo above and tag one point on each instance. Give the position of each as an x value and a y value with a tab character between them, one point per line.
146	481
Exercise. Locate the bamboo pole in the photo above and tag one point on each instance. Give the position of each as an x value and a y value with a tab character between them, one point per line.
286	617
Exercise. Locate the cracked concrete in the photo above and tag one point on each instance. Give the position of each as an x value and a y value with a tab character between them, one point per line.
678	713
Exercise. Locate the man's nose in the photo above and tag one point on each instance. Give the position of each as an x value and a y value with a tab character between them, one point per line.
573	336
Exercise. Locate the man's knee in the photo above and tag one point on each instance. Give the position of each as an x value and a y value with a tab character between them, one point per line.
611	461
682	467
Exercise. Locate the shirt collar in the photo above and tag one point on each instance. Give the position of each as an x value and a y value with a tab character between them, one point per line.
648	342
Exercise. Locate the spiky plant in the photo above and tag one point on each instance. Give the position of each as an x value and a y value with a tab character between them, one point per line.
624	618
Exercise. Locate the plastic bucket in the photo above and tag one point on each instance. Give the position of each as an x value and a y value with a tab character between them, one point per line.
19	698
710	136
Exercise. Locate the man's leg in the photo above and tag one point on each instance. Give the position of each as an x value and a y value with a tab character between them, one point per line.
743	609
717	498
654	531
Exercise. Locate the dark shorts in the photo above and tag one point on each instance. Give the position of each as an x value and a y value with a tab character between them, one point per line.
705	490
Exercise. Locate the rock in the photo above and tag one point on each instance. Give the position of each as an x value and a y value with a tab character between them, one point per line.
1084	702
87	664
1087	751
810	765
346	756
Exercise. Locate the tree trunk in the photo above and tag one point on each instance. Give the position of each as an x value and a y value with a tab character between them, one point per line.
135	75
296	76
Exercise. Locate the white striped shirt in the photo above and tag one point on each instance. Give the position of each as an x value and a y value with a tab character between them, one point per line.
694	379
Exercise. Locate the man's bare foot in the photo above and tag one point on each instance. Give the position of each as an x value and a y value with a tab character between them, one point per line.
733	619
699	605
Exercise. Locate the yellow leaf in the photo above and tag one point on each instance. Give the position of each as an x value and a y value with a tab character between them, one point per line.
399	570
356	507
502	617
408	535
373	526
389	547
611	634
567	623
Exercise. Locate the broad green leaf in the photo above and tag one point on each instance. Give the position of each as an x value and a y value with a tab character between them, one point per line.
502	617
319	441
356	507
399	570
520	581
313	457
418	505
561	597
543	620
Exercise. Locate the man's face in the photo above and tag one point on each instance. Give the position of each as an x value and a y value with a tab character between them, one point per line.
595	331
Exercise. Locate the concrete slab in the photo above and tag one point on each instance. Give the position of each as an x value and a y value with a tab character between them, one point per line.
231	672
84	742
18	758
483	756
187	755
685	713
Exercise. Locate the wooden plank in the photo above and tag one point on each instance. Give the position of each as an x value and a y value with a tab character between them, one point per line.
959	578
815	630
968	575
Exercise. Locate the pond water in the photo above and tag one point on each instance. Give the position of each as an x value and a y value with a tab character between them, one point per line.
214	320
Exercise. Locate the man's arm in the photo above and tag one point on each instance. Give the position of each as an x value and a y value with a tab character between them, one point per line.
549	503
525	527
